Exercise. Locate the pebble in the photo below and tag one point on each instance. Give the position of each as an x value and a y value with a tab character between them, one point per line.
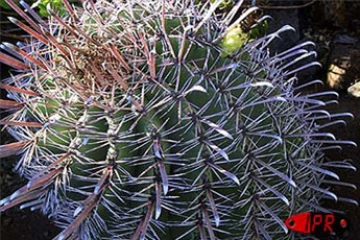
354	90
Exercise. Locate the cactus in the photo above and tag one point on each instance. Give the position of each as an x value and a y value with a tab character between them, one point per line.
140	120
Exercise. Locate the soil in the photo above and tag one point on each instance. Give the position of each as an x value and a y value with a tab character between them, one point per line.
25	225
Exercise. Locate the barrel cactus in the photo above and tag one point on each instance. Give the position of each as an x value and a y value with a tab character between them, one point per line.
147	120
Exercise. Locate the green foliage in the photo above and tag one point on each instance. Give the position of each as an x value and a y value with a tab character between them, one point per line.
259	30
234	40
56	5
4	5
226	4
41	6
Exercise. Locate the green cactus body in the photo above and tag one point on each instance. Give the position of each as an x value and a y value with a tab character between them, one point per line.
150	120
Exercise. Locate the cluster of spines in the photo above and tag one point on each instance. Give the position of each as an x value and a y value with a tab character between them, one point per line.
69	112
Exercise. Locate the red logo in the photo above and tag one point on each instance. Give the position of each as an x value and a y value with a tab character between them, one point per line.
317	224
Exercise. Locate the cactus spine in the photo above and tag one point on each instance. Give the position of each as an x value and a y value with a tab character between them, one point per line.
137	120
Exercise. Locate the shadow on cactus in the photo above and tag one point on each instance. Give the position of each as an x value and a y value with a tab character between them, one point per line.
134	121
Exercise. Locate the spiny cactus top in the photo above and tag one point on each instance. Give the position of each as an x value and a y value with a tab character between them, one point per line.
140	120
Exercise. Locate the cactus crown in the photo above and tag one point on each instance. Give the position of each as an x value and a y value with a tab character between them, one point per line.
141	120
